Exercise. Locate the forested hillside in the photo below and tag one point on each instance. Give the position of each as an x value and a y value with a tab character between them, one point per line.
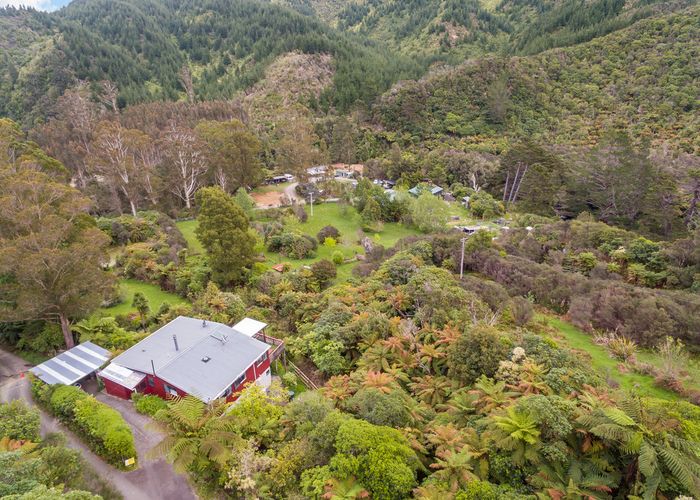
143	46
642	80
459	28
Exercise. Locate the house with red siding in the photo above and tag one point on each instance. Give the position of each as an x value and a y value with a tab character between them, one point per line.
190	356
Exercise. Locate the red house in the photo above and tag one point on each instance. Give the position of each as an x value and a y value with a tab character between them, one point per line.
205	359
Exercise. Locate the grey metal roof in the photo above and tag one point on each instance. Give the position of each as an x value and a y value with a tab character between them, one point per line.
159	347
230	353
72	365
226	361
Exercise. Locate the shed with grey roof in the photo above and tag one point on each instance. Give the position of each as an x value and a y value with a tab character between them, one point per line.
73	365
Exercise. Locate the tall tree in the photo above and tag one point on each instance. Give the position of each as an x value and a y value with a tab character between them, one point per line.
232	152
343	142
184	163
187	84
614	181
50	250
532	178
122	157
70	134
224	232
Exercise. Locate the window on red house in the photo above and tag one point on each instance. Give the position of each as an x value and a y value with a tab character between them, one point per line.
261	359
237	383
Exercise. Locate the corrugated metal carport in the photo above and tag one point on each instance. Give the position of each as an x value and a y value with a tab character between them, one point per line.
73	365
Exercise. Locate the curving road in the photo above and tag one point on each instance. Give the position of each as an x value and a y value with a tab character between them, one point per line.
153	480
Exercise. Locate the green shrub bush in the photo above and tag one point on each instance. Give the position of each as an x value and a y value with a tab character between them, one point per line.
102	428
19	421
106	430
148	404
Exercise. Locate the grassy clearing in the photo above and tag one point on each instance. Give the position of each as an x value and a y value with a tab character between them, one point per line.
602	363
348	222
153	294
187	228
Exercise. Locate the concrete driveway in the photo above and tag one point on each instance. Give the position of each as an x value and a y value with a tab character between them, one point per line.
153	480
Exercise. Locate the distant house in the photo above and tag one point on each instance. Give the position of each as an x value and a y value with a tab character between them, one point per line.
317	173
349	170
204	359
280	179
344	174
419	189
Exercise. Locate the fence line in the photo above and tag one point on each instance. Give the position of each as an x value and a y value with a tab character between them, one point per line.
306	380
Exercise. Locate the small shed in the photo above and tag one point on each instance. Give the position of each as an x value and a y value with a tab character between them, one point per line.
73	365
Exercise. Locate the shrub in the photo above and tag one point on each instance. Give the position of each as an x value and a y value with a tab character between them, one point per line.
328	232
300	213
19	421
477	490
484	206
338	258
290	380
324	271
478	351
380	408
101	427
64	399
293	245
105	429
148	404
330	242
521	310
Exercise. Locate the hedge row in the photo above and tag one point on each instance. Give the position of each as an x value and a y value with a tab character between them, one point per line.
102	428
148	404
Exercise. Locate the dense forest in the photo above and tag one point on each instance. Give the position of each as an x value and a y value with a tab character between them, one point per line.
224	45
495	296
459	29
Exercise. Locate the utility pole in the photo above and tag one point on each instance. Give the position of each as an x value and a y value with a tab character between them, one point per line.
461	261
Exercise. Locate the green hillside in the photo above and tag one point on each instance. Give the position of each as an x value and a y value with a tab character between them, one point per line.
465	28
142	47
642	79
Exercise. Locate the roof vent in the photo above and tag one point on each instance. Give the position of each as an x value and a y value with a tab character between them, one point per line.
206	359
223	339
204	323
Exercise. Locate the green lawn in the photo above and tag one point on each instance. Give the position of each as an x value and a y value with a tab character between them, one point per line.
187	228
603	364
348	222
153	293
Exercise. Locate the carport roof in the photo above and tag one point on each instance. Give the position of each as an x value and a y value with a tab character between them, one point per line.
72	365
